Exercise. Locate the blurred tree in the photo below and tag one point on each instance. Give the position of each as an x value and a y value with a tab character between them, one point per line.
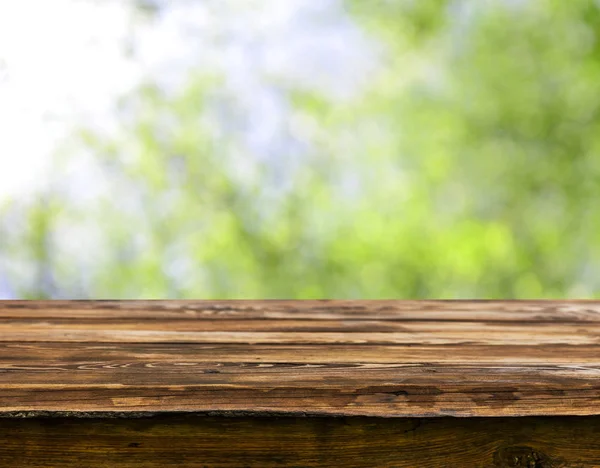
495	126
468	167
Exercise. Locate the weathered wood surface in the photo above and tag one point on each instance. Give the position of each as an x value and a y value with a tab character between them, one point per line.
343	358
221	442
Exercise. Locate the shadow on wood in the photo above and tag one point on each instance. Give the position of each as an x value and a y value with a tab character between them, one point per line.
179	440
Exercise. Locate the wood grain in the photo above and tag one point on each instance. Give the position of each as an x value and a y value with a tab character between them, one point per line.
338	358
488	311
224	442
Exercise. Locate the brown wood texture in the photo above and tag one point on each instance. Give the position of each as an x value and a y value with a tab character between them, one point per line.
203	442
342	358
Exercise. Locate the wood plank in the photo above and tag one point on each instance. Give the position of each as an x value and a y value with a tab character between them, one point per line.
581	311
137	354
318	357
302	332
329	390
202	442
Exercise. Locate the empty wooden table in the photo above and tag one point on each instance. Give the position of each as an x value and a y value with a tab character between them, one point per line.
299	383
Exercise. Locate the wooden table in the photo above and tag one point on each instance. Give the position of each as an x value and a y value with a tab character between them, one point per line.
299	384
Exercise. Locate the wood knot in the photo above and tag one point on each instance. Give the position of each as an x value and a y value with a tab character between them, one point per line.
522	457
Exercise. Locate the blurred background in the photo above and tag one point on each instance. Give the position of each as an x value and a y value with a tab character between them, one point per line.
299	149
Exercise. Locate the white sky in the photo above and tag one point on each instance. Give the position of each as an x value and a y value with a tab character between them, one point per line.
65	64
56	64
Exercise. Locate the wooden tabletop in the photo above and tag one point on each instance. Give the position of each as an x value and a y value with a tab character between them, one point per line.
370	358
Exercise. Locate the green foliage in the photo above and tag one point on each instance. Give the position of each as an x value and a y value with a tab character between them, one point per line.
501	126
469	167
